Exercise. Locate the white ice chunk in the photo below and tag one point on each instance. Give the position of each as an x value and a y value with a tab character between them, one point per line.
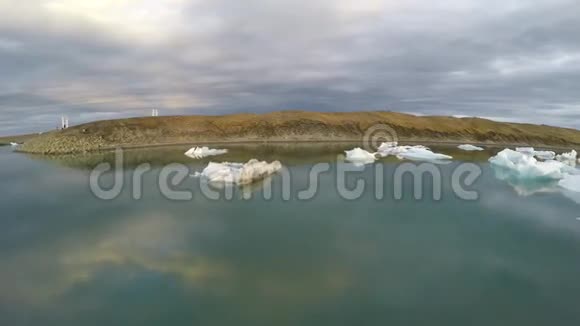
422	154
570	182
524	166
392	148
571	156
201	152
525	150
387	148
359	155
569	169
469	148
568	158
543	155
385	151
239	173
414	153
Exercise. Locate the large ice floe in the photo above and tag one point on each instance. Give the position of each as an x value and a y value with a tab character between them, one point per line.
469	148
413	153
526	166
360	156
529	176
239	173
201	152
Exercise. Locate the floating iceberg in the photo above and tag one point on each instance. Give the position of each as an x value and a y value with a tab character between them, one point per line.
392	148
521	170
469	148
570	182
201	152
422	154
359	155
239	173
568	158
525	166
414	153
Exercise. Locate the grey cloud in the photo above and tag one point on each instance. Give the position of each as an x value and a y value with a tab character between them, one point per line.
517	61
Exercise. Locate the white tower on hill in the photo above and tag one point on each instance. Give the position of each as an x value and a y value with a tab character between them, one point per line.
64	122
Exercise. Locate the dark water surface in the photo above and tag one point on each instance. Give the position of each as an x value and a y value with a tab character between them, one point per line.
512	257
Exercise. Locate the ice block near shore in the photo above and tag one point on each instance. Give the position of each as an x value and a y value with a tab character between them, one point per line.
360	156
413	153
201	152
469	148
239	173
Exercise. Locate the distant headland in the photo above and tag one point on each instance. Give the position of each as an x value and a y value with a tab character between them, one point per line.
289	126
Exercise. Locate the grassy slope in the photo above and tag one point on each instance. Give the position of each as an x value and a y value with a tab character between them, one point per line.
291	126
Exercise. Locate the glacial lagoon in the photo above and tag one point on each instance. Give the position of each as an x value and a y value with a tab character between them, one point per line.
509	257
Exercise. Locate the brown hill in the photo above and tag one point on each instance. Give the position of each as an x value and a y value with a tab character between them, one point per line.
292	126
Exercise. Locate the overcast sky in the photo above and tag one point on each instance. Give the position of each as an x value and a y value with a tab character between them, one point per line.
511	60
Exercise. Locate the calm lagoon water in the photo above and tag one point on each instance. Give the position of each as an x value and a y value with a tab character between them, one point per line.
512	257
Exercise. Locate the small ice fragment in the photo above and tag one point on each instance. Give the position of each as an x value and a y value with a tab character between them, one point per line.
359	155
201	152
469	148
239	173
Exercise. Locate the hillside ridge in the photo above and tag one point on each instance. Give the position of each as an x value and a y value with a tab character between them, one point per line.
289	126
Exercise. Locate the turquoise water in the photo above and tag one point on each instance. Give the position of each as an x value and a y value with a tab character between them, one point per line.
511	257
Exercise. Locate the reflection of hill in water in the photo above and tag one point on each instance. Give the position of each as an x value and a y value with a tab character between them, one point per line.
287	153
